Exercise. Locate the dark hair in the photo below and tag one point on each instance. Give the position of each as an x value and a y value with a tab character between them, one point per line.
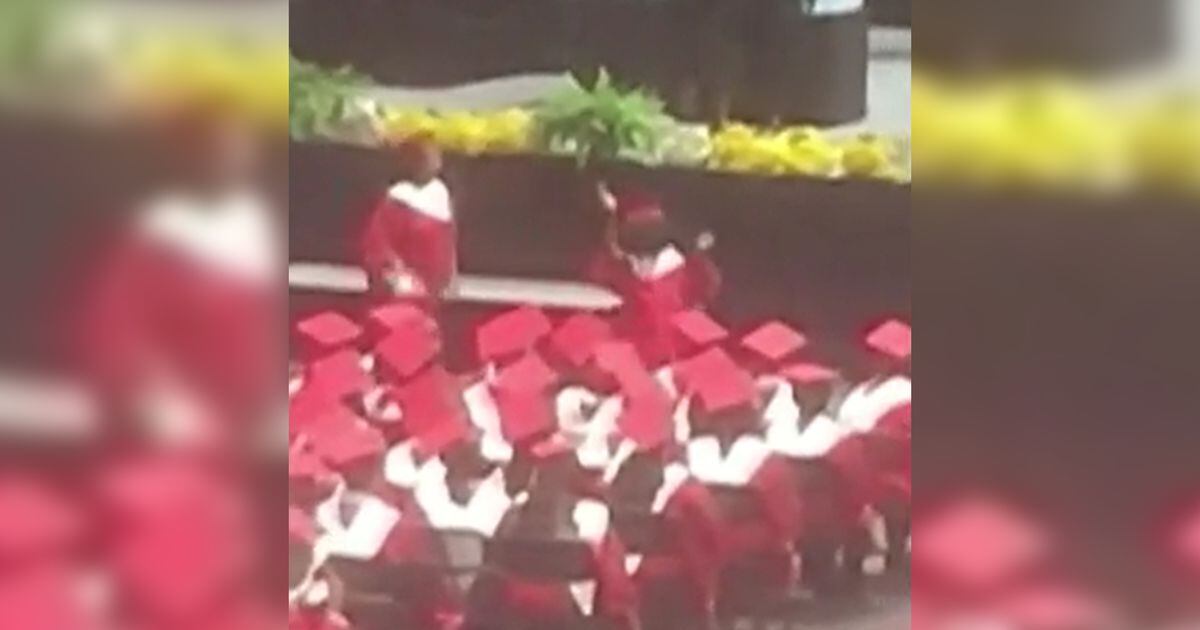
418	157
644	238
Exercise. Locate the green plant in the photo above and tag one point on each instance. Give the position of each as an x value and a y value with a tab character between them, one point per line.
603	122
320	99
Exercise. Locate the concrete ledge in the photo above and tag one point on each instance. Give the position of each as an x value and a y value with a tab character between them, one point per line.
470	288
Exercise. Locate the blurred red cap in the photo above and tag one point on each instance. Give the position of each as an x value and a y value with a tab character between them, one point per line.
892	338
808	374
337	375
646	415
510	333
407	349
433	410
579	336
718	382
327	331
37	519
522	399
774	341
697	329
638	207
352	443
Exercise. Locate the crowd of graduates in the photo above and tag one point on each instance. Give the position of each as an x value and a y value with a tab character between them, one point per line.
568	477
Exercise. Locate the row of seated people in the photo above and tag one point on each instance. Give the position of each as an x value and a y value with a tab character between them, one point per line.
567	480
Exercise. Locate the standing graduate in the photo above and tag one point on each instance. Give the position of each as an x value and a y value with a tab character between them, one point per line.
656	278
181	318
409	245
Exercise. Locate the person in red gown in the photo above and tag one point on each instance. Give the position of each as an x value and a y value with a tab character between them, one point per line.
181	315
408	247
655	278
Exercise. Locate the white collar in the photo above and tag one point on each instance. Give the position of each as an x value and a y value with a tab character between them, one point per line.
431	200
736	468
816	440
233	233
482	513
667	259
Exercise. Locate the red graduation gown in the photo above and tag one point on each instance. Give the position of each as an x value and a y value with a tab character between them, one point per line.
317	619
649	304
212	329
396	231
696	551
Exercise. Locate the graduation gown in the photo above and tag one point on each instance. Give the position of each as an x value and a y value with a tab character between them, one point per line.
187	305
413	226
671	283
316	619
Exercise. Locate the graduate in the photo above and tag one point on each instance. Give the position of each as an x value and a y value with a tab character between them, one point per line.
668	520
888	383
755	489
182	316
655	276
409	244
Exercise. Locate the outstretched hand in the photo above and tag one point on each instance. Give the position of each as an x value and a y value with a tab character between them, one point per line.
705	241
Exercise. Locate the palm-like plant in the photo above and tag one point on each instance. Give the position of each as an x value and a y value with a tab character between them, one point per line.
320	99
603	122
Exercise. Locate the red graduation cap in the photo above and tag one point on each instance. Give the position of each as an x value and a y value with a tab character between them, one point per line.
718	382
697	330
638	207
384	319
304	464
407	349
579	336
433	408
893	338
774	341
521	398
37	519
350	444
808	374
950	551
620	359
301	528
646	415
338	375
512	332
327	331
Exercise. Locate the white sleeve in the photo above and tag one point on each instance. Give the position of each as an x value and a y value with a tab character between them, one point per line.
745	459
489	504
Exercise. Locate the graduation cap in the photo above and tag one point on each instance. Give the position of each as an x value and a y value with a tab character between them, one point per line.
338	375
577	338
892	338
433	410
522	399
646	415
718	383
38	520
511	333
773	342
407	349
696	330
808	374
304	464
638	207
382	320
350	444
326	332
620	360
